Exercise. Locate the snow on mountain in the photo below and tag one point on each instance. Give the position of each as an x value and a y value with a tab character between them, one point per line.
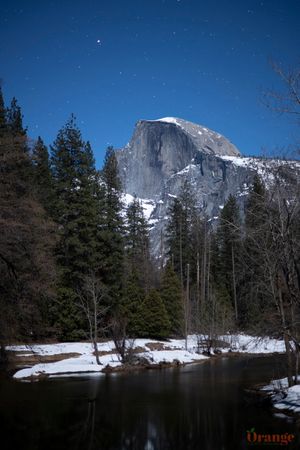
148	205
204	138
162	154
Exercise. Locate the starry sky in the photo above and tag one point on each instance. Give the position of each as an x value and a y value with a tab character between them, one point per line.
113	62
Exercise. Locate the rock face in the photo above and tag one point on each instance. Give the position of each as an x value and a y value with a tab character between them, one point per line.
161	148
163	153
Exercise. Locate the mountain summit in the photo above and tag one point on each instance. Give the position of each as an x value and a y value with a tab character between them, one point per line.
205	140
161	148
162	154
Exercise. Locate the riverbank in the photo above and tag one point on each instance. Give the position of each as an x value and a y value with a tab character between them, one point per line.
177	408
63	359
283	398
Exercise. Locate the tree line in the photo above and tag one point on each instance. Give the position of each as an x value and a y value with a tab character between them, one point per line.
76	262
243	274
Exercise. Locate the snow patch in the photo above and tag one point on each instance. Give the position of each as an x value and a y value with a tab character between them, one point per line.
169	120
264	167
186	169
283	397
147	204
174	349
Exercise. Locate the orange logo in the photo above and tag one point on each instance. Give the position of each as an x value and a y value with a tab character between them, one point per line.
254	437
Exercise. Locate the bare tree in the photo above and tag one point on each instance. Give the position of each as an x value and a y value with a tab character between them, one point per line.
276	242
285	101
123	345
284	260
90	301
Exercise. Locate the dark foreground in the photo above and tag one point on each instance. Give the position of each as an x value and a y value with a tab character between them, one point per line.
201	406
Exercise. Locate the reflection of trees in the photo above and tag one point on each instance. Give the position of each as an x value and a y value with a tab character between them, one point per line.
171	409
165	412
88	430
191	408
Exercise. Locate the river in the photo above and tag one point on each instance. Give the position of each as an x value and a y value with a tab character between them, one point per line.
201	407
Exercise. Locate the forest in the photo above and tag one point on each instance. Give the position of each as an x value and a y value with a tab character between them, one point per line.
76	261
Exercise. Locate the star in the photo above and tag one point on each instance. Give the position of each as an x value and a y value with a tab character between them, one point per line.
99	41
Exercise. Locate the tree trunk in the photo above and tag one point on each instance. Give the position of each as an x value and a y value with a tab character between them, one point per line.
180	258
234	284
286	339
96	330
187	306
208	268
297	366
162	251
203	273
198	293
289	359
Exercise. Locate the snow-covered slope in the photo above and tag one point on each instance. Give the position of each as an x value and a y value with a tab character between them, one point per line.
148	205
206	140
164	153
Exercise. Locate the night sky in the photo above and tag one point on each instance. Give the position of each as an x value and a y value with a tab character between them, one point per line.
113	62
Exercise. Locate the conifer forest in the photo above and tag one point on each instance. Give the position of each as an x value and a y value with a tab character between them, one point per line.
76	261
149	225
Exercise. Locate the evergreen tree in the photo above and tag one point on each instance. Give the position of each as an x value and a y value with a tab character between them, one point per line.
155	316
15	119
131	305
229	240
137	268
253	292
171	296
112	233
181	214
3	121
180	240
26	236
137	242
173	233
42	175
76	212
255	210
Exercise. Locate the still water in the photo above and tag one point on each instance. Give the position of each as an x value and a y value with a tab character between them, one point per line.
195	407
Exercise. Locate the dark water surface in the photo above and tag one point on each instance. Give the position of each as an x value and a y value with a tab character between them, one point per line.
196	407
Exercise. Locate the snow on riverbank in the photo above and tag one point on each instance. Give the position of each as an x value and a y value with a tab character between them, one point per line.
283	397
86	361
154	351
243	343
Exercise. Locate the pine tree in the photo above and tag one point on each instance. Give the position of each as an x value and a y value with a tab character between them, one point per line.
3	121
26	235
180	251
137	268
155	316
229	241
181	214
131	305
15	119
137	242
255	206
171	296
253	288
42	175
76	212
112	233
173	233
15	138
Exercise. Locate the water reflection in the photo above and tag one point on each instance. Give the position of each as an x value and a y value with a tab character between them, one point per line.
197	407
